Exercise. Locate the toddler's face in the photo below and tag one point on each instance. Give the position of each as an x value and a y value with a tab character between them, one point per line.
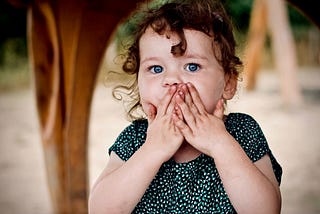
159	68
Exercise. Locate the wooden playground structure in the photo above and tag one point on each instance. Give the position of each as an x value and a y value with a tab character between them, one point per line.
67	41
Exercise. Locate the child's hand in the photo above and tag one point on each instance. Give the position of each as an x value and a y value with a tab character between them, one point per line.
201	129
162	134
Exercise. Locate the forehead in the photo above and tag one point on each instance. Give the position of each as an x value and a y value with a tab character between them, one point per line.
197	41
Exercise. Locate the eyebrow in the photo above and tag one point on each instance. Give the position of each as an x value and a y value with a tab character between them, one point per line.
188	56
153	58
195	56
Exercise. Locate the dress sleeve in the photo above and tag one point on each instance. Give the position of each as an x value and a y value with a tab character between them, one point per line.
130	140
251	138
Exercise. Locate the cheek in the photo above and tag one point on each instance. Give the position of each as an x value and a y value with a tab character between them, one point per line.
149	94
210	102
144	97
210	96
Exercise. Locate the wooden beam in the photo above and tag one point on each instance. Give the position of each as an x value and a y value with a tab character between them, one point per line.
67	40
255	43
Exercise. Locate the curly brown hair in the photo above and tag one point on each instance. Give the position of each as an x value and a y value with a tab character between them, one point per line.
207	16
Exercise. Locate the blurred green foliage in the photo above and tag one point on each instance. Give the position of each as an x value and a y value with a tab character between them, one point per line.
239	10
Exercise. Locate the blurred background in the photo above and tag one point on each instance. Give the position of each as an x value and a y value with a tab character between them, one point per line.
292	132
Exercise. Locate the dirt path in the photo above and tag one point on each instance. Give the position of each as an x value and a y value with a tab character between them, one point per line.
293	135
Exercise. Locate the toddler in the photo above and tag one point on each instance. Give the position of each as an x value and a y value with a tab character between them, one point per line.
186	155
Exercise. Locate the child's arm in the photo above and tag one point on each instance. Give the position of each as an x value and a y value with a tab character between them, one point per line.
122	184
250	186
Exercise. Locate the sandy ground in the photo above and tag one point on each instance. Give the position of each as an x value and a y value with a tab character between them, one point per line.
293	135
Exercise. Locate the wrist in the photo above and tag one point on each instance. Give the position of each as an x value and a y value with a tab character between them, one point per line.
157	154
224	141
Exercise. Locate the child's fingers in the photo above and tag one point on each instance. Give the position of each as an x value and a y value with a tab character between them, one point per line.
185	111
172	104
163	106
182	126
178	112
170	107
189	101
219	110
196	98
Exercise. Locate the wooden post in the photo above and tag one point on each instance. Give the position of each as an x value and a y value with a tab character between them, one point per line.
272	15
44	55
67	40
284	52
256	41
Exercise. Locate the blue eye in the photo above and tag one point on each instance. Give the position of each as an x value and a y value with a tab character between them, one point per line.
156	69
192	67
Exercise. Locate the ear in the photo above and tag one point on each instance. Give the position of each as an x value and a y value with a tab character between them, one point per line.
230	87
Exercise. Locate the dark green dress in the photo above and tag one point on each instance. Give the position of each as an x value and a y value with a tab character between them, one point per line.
195	186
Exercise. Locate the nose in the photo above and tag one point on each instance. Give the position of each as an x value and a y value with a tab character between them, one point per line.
172	78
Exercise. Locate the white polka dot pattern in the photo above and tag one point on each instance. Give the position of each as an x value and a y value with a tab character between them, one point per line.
195	186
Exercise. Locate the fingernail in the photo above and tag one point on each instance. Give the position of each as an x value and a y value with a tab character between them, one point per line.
172	88
178	97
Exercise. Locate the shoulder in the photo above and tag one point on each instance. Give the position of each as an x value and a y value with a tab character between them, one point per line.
130	139
134	129
240	122
247	132
239	117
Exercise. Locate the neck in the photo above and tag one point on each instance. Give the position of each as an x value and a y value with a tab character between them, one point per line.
186	153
